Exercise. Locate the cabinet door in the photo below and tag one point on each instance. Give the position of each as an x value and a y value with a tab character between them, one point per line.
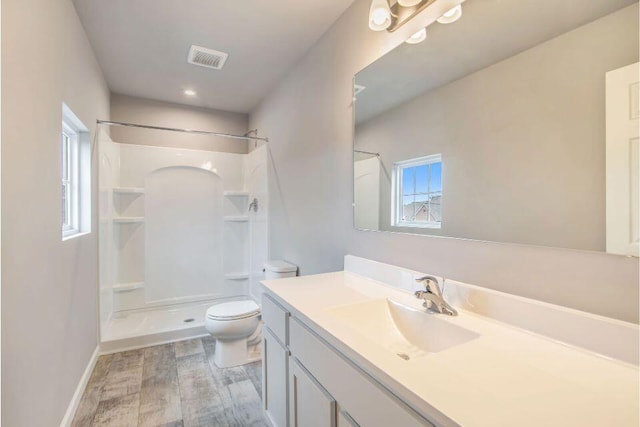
275	359
311	404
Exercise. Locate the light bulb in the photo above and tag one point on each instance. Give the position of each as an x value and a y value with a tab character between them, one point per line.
451	15
408	3
190	92
379	15
418	37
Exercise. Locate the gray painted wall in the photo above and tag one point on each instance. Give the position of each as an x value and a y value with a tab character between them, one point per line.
49	287
308	119
523	141
157	113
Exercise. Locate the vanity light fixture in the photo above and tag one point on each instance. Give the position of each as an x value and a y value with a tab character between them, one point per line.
190	92
392	14
408	3
418	37
451	15
379	15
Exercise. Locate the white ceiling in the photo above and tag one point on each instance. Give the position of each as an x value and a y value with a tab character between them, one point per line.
142	45
489	31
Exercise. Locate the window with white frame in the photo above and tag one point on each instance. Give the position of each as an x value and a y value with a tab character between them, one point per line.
75	165
417	192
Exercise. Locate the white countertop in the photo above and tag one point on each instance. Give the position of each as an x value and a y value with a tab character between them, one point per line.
506	377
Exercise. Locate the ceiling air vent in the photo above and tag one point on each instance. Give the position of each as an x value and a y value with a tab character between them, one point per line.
207	57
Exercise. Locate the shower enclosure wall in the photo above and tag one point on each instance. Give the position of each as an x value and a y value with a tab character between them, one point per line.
176	235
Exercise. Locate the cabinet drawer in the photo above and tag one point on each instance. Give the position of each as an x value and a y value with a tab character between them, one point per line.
366	401
276	318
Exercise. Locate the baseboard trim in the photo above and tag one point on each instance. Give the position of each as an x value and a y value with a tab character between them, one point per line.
84	380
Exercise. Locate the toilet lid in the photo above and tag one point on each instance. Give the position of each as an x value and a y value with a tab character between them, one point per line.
233	310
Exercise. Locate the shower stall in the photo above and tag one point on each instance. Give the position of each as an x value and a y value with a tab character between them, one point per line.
179	229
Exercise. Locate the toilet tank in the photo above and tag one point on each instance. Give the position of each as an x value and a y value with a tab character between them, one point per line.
279	269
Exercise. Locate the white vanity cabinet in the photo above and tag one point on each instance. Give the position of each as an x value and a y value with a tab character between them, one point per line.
345	420
310	404
308	383
275	363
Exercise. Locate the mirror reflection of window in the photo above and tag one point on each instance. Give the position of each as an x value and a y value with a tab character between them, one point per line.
418	192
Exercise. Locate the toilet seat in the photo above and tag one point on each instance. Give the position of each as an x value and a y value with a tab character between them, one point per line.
233	310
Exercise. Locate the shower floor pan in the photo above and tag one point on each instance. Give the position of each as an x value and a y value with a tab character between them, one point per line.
142	328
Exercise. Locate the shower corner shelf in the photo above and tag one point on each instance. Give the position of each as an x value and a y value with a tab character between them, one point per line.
236	276
232	193
127	287
128	190
129	220
236	218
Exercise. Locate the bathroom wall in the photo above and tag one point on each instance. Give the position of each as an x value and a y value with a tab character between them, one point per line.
157	113
49	287
308	118
494	109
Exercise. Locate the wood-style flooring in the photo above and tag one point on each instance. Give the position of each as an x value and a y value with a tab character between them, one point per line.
174	384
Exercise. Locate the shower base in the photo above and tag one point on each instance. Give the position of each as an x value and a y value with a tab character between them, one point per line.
141	328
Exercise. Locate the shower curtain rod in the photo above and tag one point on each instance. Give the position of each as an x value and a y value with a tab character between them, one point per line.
368	152
199	132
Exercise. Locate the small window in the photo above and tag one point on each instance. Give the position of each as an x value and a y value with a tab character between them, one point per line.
417	192
76	176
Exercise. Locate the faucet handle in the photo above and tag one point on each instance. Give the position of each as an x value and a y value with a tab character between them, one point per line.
427	277
431	284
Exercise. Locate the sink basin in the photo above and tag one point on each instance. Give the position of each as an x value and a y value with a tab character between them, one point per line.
407	332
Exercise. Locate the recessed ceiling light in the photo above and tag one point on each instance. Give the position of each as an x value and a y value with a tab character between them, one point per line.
451	15
190	92
418	37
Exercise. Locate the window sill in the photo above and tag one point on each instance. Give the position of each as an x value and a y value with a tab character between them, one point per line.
434	226
75	235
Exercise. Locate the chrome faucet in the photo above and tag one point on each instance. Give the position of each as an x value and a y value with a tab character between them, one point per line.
432	296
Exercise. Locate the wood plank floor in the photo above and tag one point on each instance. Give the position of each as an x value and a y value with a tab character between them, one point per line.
174	384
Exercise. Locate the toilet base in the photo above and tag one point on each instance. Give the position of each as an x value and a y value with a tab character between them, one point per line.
231	353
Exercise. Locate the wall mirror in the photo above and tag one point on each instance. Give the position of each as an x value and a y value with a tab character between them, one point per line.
517	123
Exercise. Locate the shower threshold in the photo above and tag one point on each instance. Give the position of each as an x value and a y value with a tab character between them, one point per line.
142	328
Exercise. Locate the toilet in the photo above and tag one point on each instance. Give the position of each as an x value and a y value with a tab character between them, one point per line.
234	324
278	269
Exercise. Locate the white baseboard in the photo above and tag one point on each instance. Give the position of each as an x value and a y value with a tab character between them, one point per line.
75	400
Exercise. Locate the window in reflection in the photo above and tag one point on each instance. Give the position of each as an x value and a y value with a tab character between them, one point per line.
418	192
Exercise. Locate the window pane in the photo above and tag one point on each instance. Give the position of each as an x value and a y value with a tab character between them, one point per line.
420	191
65	157
65	204
407	208
408	180
435	211
422	179
436	176
421	208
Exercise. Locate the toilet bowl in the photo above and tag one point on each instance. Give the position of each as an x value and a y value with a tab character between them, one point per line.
231	324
